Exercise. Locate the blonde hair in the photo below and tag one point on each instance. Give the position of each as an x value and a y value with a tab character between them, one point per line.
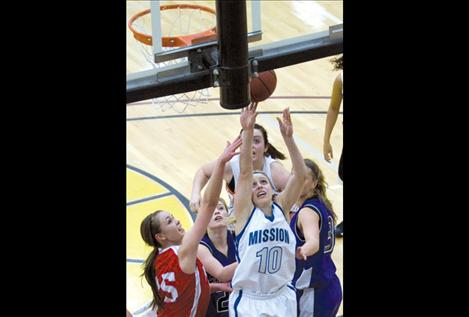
321	186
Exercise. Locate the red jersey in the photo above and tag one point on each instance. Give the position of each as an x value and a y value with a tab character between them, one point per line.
184	295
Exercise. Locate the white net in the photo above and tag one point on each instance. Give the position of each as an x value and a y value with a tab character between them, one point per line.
174	22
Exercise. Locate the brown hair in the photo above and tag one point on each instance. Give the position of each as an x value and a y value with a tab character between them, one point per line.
149	227
321	186
271	150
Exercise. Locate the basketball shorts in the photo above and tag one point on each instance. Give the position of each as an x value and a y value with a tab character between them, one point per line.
280	304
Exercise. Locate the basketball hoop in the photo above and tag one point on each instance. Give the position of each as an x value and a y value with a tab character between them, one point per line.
182	25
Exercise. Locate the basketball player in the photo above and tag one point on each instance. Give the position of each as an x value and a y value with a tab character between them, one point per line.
318	288
265	158
266	247
217	250
332	114
176	277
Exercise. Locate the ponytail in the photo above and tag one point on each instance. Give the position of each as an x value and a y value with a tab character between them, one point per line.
148	228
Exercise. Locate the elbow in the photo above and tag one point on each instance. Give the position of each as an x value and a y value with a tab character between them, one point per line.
221	276
211	204
314	247
226	275
300	177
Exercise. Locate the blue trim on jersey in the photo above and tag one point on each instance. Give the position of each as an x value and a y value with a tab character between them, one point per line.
281	210
237	302
271	218
238	237
236	253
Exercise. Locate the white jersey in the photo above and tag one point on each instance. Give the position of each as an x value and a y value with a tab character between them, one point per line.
234	163
266	254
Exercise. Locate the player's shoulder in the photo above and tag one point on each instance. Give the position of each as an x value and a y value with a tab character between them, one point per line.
313	203
206	242
167	256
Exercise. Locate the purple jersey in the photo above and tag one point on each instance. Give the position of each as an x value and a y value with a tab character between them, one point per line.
318	269
318	288
218	306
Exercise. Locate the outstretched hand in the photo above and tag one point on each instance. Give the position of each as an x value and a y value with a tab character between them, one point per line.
300	254
286	127
248	116
230	149
194	203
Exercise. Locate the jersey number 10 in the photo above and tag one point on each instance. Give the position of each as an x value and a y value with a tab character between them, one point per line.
270	259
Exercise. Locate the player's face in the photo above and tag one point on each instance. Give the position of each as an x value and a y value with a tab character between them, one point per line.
171	231
258	146
310	183
261	190
219	215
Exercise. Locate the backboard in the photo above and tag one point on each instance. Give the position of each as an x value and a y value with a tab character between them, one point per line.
280	34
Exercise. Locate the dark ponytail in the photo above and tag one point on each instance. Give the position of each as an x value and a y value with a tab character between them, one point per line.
148	228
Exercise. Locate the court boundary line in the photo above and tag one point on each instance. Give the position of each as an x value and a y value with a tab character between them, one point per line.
142	200
149	102
211	114
170	188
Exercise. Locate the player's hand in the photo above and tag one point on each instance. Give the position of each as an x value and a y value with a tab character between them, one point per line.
230	150
248	116
194	204
300	253
286	126
327	151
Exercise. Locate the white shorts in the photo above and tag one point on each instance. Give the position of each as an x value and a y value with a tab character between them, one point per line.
280	304
307	303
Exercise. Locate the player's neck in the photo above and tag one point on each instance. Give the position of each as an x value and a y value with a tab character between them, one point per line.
168	244
218	237
267	210
258	164
310	194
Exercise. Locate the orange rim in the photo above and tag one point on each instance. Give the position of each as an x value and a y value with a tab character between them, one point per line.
172	41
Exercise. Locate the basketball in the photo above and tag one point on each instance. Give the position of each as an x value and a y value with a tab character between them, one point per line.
263	87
